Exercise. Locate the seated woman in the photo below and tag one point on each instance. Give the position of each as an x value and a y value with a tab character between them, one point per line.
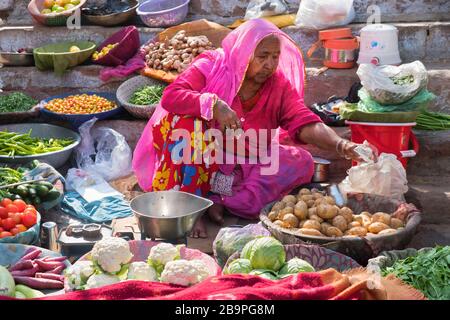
255	82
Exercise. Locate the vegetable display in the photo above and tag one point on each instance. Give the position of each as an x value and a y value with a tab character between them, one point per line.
80	104
23	144
265	257
313	213
16	102
428	271
16	217
427	120
177	54
105	50
147	95
57	6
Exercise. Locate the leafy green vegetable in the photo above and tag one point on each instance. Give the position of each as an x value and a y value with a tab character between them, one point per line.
242	266
294	266
265	253
147	95
16	102
428	271
268	274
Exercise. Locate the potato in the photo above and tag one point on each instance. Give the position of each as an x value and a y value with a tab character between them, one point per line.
291	220
310	203
289	198
387	231
317	218
278	206
273	215
354	224
367	214
330	200
327	211
311	224
340	223
357	231
377	227
324	226
365	221
347	213
279	223
301	223
319	201
301	210
317	195
290	205
381	217
396	223
304	191
334	232
284	212
312	212
307	198
310	232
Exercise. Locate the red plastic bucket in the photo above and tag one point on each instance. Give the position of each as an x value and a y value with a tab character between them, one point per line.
392	138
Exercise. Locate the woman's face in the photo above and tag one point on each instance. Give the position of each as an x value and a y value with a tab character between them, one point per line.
265	60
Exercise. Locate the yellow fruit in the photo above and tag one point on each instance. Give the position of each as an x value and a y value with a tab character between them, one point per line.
48	4
74	49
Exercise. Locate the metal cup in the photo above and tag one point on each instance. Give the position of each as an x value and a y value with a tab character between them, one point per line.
49	236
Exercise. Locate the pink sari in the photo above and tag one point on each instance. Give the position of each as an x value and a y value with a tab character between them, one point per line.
223	71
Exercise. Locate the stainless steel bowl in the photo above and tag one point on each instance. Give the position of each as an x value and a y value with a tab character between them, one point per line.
113	19
55	159
321	170
16	59
168	214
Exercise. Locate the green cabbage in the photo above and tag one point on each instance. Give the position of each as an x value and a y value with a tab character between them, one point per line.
242	266
265	253
267	274
294	266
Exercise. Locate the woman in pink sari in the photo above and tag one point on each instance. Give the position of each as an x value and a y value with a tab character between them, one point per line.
254	83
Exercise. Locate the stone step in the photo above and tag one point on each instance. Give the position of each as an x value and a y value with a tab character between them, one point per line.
225	12
417	41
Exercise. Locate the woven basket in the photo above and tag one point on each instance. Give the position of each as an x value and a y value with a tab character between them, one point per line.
53	19
126	90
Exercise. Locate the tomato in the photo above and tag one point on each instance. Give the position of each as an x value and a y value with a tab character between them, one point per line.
16	217
8	223
21	227
29	220
12	208
14	231
20	204
1	230
5	234
5	202
30	206
30	211
3	213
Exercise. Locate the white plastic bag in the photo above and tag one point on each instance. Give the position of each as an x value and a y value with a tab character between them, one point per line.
386	177
103	151
380	81
324	14
265	8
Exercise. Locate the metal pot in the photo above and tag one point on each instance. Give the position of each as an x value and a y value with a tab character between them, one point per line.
168	214
321	170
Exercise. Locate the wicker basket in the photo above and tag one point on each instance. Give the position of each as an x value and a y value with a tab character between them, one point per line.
126	90
53	19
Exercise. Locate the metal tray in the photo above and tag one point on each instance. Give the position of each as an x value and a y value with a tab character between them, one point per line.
67	241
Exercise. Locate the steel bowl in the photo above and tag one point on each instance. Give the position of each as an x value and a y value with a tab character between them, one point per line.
168	214
16	59
57	158
113	19
321	170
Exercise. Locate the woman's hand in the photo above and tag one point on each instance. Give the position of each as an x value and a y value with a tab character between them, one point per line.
226	116
347	148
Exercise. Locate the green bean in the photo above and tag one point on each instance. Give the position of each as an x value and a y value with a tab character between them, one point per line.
147	95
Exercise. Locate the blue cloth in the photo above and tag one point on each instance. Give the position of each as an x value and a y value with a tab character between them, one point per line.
99	211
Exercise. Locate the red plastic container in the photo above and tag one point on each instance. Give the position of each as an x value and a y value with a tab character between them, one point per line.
128	45
392	138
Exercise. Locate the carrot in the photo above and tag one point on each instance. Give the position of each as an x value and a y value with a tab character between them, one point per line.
51	276
27	272
46	266
57	270
21	265
39	283
55	259
31	254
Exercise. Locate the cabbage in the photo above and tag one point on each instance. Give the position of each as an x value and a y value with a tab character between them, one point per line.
294	266
242	266
264	253
267	274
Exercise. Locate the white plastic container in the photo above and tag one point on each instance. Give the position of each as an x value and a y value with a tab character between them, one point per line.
379	45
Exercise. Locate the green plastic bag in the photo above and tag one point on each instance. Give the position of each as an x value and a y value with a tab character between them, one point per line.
419	101
350	111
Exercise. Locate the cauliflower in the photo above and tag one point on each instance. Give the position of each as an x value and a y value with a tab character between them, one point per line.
141	271
162	254
78	274
184	272
111	254
101	280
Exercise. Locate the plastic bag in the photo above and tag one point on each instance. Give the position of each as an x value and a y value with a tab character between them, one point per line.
419	101
392	84
265	8
103	151
324	14
232	239
385	177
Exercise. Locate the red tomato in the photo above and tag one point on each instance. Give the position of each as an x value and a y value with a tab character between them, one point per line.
1	230
30	211
5	234
12	208
20	204
16	217
30	206
5	202
29	220
8	224
3	213
14	231
21	227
